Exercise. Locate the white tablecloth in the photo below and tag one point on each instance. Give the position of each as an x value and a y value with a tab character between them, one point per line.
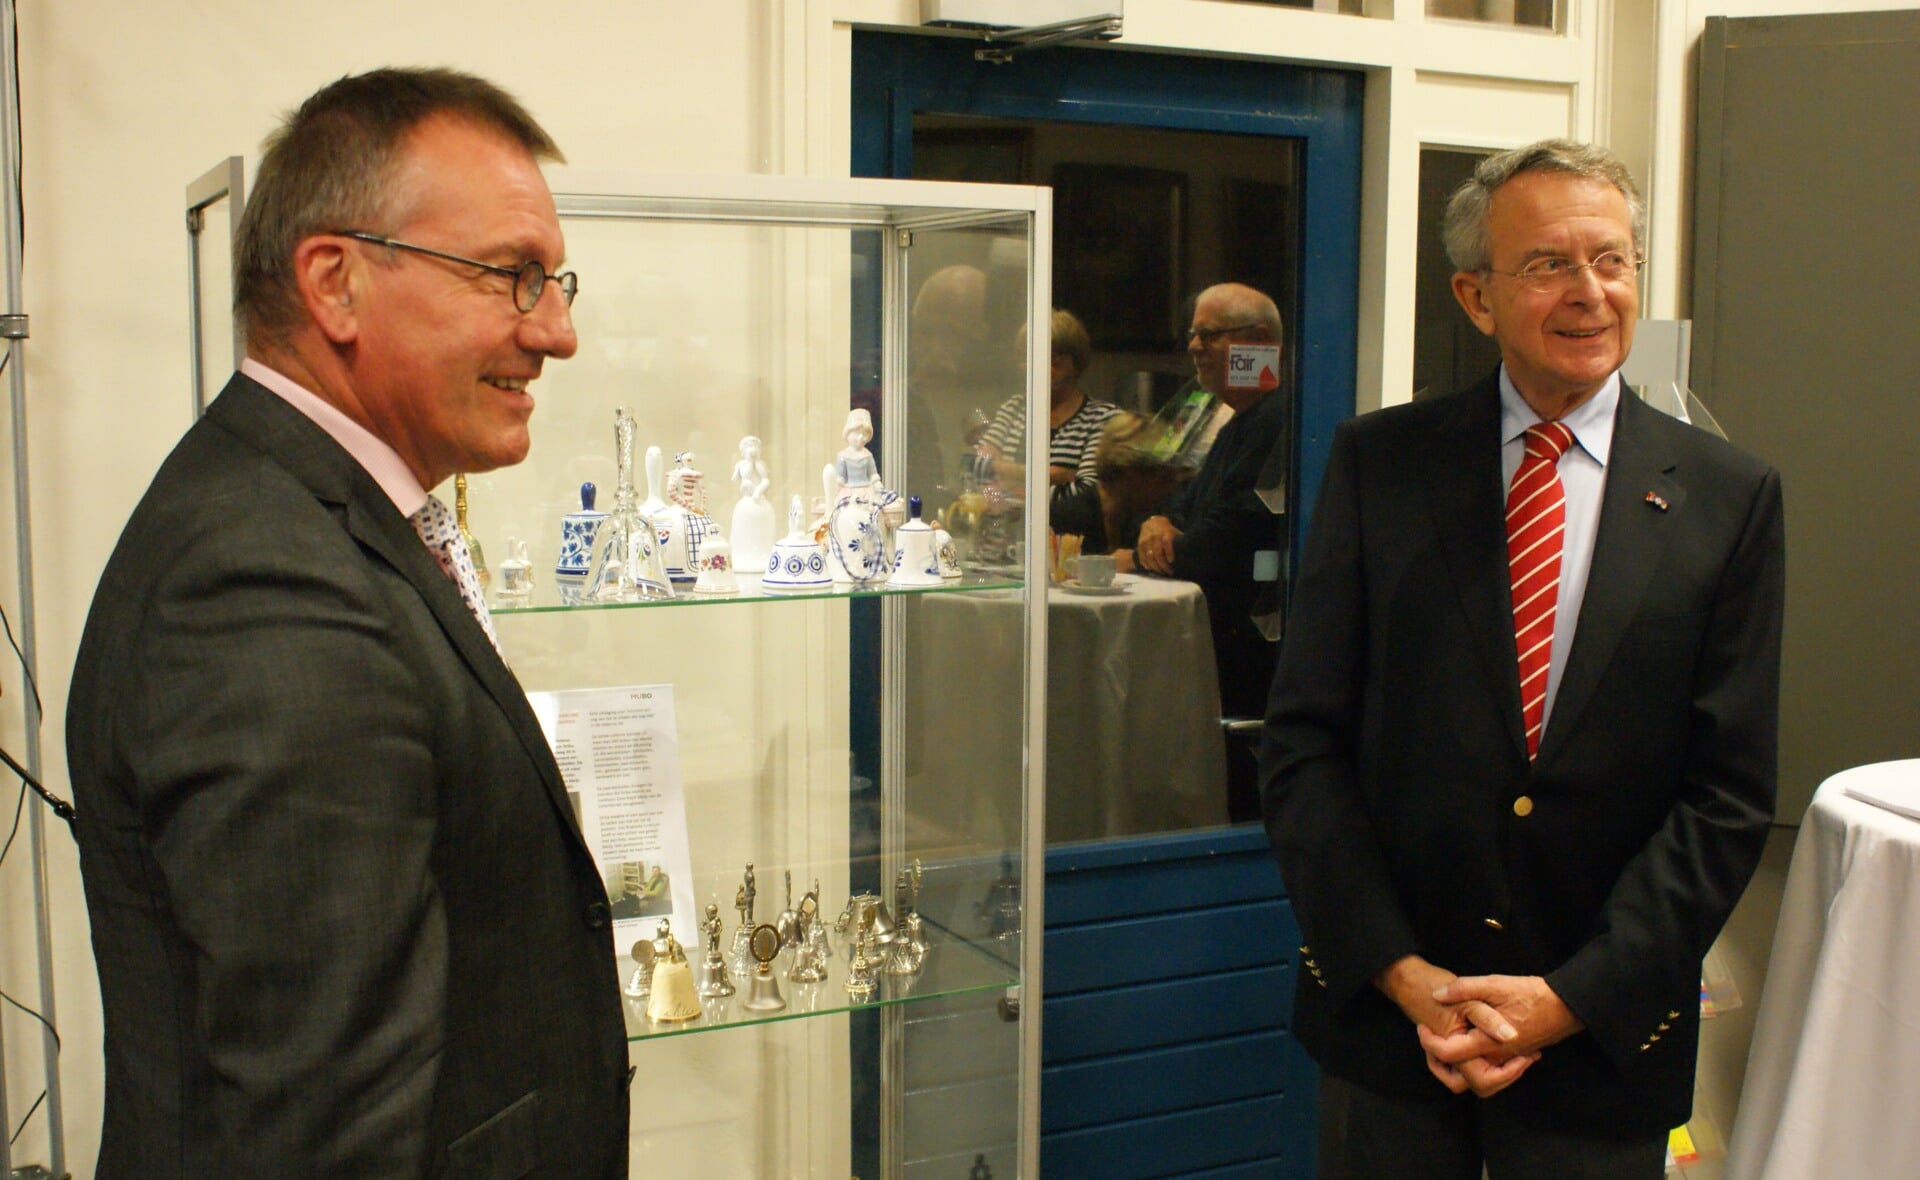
1833	1079
1133	736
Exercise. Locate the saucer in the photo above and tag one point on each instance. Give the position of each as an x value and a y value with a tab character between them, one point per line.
1073	587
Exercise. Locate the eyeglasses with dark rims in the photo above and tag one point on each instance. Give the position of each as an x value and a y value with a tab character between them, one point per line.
1207	336
529	278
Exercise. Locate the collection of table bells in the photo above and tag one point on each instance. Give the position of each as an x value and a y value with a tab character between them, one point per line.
859	534
877	943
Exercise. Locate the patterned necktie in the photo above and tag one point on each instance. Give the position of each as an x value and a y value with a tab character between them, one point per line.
441	533
1536	522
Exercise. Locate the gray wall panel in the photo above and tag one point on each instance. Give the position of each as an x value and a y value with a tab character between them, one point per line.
1806	302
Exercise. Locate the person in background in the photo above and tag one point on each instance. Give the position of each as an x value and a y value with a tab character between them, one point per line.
1132	478
1074	423
301	687
1520	753
1213	525
953	365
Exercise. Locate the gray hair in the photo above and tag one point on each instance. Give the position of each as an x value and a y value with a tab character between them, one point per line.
330	166
1464	232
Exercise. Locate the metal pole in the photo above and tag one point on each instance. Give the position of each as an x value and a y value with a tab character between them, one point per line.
196	220
225	181
895	282
23	519
1033	856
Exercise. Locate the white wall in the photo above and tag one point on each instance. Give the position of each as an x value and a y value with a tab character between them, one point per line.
124	103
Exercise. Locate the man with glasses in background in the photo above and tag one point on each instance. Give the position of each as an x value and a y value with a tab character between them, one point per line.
344	920
1520	758
1213	525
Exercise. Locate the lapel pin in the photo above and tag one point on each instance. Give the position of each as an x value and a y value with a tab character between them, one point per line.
1657	500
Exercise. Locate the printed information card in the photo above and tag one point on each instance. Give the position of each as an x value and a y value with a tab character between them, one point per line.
619	751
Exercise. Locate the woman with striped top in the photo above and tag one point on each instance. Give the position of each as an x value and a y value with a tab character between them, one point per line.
1074	424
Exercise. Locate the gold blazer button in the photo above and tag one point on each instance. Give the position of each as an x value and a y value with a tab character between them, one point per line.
1523	807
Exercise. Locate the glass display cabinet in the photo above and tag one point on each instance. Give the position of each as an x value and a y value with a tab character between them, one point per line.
843	749
820	730
815	729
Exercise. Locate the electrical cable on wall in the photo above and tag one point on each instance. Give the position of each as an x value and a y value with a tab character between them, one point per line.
6	625
13	332
15	1138
19	806
60	806
25	1118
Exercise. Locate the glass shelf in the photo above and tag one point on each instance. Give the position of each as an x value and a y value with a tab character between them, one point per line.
953	968
546	595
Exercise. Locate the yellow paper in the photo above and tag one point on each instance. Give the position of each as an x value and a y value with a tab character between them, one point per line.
1680	1143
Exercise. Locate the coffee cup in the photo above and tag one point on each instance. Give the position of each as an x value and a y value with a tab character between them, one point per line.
1094	570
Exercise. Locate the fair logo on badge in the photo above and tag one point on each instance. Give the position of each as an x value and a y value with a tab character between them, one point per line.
1253	366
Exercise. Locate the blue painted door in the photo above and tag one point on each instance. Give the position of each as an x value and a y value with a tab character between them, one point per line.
1169	960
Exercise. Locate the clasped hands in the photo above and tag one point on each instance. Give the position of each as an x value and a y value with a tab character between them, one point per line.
1153	552
1482	1032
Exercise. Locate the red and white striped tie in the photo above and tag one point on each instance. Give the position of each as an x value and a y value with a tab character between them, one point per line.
1536	522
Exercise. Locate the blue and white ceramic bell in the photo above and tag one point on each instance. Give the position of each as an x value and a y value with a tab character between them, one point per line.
798	561
577	530
916	551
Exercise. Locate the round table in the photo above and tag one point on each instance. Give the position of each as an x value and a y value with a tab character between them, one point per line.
1834	1070
1133	733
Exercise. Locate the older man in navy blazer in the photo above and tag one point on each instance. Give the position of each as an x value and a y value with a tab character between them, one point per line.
344	920
1509	847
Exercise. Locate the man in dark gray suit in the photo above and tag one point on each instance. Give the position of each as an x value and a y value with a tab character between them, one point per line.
1511	833
344	920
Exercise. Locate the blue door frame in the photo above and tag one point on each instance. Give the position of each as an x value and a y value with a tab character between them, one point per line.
1195	924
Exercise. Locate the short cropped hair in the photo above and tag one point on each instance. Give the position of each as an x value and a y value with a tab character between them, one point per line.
1251	305
330	166
1464	232
1071	341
